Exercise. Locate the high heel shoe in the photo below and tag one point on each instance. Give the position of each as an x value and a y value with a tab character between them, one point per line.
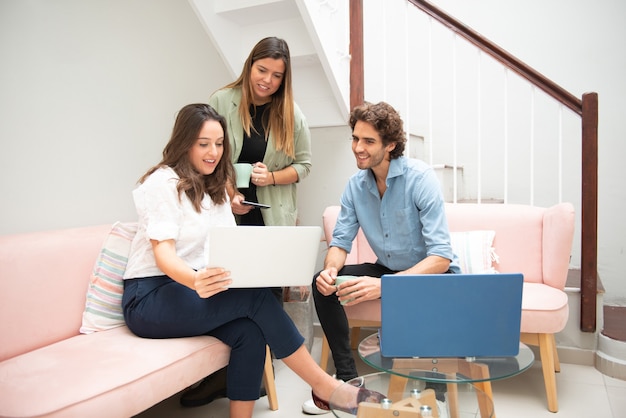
363	395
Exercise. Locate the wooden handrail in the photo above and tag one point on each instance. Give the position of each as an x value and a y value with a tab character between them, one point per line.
587	108
502	56
589	214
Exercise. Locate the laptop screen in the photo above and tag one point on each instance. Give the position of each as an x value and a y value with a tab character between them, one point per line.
451	315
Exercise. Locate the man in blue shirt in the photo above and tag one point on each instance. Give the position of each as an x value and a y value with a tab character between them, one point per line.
399	205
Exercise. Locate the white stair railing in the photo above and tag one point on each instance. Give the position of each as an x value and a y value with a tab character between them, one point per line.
503	139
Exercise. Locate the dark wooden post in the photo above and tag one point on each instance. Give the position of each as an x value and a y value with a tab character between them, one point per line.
589	213
357	79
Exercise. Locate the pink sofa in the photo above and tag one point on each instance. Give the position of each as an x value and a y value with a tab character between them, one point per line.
48	369
532	240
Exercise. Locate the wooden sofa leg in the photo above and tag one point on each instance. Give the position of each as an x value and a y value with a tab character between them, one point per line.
268	380
557	362
546	351
325	353
355	334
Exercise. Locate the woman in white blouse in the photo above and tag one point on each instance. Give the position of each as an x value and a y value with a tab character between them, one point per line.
169	291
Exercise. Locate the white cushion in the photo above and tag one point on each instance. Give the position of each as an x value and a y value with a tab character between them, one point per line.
475	251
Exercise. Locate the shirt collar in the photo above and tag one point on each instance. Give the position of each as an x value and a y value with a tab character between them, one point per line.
396	169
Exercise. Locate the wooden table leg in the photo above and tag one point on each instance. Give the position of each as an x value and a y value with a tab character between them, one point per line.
474	370
483	403
453	400
397	385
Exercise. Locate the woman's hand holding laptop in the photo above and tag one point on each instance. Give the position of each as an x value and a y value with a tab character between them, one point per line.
211	281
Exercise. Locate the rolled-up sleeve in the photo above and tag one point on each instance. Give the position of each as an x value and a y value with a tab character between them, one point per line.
347	225
433	217
158	203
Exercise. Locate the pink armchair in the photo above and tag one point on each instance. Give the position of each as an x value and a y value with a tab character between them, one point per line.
532	240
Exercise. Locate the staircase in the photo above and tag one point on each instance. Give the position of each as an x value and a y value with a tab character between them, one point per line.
318	35
318	39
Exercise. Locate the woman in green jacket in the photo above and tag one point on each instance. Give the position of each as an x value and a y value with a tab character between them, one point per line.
269	131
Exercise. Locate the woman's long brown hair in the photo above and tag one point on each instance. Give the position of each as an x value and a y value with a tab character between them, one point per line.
189	122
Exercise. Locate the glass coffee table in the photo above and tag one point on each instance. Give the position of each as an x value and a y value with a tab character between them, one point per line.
415	399
479	371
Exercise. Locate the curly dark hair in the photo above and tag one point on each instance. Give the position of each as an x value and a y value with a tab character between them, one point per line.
387	122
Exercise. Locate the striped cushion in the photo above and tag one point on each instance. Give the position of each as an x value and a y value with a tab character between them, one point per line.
103	308
475	251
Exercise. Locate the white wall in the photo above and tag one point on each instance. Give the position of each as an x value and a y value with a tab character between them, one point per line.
333	163
88	95
89	91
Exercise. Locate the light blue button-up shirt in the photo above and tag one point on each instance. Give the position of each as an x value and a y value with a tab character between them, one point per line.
406	225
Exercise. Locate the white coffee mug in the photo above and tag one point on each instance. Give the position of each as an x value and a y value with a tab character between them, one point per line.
243	172
341	279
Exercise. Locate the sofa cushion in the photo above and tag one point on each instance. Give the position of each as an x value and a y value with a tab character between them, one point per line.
544	309
105	374
475	251
519	234
103	306
43	281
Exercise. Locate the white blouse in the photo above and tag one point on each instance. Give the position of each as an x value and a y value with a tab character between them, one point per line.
163	216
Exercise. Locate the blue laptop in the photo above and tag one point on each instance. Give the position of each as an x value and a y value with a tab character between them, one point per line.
451	315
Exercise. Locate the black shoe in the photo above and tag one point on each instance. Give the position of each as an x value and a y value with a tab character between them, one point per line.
210	388
439	388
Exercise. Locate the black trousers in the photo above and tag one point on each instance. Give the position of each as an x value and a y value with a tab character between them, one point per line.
335	323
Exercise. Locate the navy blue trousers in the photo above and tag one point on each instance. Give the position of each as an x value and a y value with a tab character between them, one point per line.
244	319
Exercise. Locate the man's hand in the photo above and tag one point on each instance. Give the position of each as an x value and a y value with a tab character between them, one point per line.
325	282
359	289
211	281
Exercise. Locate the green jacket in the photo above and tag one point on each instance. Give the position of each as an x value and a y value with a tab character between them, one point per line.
282	198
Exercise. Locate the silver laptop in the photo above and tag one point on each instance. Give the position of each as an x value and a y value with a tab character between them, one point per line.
266	256
451	315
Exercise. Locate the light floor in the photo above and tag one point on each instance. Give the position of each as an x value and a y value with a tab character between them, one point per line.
583	392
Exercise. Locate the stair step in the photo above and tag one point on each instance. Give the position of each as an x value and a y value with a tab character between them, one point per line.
615	322
250	12
446	167
487	200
